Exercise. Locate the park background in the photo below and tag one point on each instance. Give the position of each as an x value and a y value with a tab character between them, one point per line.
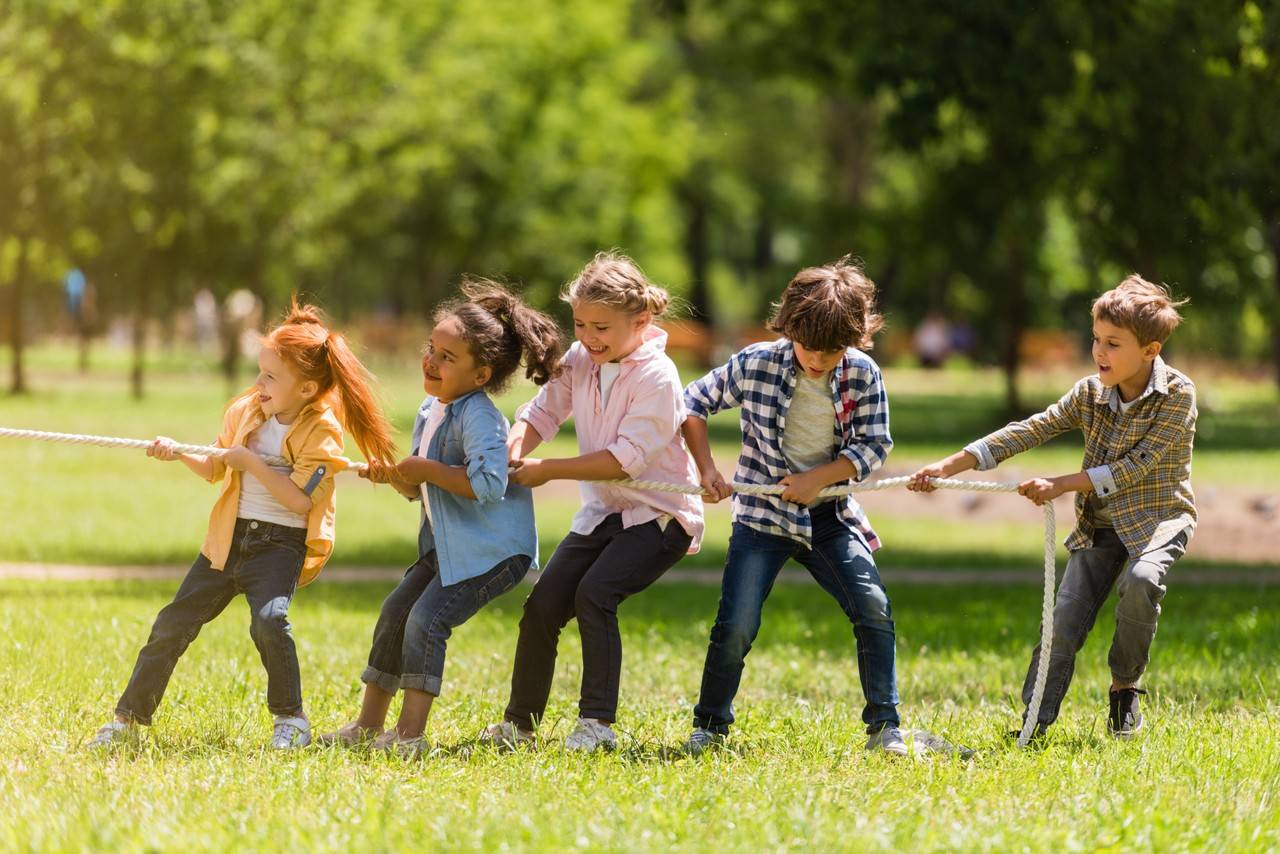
172	172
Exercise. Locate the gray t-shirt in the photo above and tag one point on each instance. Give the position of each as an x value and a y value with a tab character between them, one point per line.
809	438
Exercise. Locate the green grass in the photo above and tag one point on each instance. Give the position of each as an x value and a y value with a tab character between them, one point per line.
1204	775
78	504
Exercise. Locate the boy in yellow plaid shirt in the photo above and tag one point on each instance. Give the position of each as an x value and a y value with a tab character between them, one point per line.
1135	510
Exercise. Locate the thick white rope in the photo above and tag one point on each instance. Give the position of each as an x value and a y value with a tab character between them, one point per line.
1050	535
140	444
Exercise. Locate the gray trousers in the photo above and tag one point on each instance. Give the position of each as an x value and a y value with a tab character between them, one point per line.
1086	584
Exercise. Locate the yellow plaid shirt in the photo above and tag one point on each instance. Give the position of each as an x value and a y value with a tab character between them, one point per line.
1139	460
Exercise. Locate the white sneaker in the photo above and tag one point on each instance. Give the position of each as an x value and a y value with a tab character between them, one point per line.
111	735
889	740
591	735
290	733
505	735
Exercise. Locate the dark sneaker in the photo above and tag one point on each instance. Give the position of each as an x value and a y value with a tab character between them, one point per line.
1038	735
1125	720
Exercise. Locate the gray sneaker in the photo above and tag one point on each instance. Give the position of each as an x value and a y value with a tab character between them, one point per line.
111	735
701	740
290	733
888	740
591	735
505	735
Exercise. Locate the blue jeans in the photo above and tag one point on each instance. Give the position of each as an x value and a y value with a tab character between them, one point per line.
841	562
264	564
418	617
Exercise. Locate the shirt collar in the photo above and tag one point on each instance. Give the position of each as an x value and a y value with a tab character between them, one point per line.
1158	382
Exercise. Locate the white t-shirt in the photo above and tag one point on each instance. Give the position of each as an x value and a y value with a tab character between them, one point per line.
608	375
256	501
434	416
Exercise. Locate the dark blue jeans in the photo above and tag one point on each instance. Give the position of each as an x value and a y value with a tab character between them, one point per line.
841	562
264	564
417	618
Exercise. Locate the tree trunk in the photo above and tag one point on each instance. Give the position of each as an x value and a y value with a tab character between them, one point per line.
1273	238
1016	324
139	334
18	379
697	246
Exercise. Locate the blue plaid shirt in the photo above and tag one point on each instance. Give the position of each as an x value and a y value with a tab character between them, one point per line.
761	380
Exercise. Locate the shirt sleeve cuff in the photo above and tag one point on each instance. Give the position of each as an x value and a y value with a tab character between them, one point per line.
629	457
1104	483
982	454
540	421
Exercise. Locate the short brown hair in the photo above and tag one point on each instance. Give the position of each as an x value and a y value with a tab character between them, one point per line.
829	308
1147	310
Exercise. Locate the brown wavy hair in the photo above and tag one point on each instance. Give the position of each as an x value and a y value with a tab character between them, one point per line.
503	332
1146	309
832	307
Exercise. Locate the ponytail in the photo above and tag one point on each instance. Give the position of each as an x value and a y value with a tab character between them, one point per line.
360	410
324	357
502	332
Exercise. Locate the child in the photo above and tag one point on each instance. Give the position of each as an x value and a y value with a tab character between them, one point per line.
477	539
814	414
623	393
1134	507
271	529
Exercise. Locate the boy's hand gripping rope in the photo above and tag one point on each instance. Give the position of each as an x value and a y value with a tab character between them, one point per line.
1046	613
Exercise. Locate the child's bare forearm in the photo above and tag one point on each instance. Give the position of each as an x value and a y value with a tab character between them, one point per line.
523	439
838	470
200	464
598	465
696	437
281	487
1075	482
419	470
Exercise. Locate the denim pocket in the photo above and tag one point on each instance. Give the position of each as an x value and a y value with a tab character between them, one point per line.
293	542
503	580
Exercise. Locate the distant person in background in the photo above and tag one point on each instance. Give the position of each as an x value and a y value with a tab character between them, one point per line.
932	340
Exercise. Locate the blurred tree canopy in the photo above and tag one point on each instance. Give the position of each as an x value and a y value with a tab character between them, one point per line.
1000	162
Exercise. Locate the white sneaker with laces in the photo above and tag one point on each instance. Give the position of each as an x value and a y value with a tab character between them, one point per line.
111	735
505	735
290	733
591	735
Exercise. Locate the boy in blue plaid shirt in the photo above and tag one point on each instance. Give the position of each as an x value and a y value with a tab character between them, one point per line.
814	414
1135	510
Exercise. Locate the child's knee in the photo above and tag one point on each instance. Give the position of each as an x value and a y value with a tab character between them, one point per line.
271	621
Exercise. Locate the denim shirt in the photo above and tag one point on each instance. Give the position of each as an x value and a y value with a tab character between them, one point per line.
474	536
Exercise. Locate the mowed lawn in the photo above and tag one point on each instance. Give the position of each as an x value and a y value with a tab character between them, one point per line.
78	504
1203	776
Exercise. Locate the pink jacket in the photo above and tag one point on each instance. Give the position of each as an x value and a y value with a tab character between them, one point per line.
640	427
